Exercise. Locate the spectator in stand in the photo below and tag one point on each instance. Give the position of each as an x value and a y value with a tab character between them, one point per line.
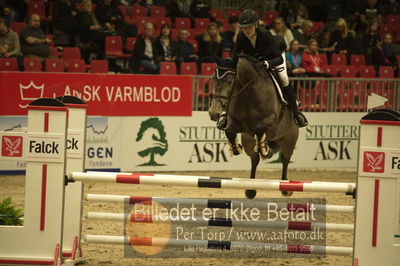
6	13
297	15
232	33
20	7
370	39
384	54
303	34
210	44
34	44
108	13
184	49
89	29
279	28
369	11
200	9
180	8
9	44
294	60
64	18
145	52
312	60
166	45
341	40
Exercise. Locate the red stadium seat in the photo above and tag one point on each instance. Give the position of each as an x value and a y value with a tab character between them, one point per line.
367	72
114	48
183	23
386	72
330	69
37	7
348	71
168	68
201	24
138	11
71	53
232	12
324	59
157	11
130	43
54	65
32	65
387	28
139	21
76	65
357	60
188	68
8	64
393	19
216	13
54	52
195	44
317	25
269	16
207	69
161	21
17	26
339	59
98	66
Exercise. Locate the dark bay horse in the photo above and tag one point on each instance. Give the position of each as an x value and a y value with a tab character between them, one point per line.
256	111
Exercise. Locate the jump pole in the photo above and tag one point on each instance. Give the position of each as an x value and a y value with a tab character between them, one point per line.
377	223
214	182
221	222
39	240
225	245
221	204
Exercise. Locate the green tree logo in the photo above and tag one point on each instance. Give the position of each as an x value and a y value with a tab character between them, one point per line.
159	142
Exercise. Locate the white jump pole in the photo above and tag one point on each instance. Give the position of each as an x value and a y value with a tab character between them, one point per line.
201	221
212	182
39	240
71	249
377	223
208	244
221	204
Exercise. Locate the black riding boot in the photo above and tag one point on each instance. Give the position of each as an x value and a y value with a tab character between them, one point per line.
299	118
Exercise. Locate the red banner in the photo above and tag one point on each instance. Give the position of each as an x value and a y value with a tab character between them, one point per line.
106	95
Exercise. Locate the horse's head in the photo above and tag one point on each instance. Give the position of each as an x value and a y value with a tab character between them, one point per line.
224	78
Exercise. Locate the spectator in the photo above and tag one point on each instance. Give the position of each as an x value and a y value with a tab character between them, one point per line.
89	29
210	44
180	8
297	15
184	49
303	34
7	13
108	14
384	54
312	60
279	28
20	7
34	44
145	52
64	18
370	39
341	40
200	9
232	33
369	11
166	45
294	60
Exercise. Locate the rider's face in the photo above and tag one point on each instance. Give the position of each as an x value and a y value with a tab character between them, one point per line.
249	31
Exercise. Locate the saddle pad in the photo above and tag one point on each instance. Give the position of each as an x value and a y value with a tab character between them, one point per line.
277	87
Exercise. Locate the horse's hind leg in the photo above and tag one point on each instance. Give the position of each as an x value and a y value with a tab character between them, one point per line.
234	147
285	164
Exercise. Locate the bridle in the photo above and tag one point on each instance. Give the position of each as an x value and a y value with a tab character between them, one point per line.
224	100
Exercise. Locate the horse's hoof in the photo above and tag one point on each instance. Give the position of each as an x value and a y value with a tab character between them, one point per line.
250	194
287	193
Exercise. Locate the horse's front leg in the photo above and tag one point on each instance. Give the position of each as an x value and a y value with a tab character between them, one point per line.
248	145
262	146
285	164
234	147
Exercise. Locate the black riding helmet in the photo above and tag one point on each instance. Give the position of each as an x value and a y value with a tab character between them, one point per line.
248	18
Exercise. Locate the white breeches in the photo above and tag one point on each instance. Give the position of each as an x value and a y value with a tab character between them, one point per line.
282	72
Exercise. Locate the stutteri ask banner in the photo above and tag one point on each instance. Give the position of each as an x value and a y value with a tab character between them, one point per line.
178	144
106	95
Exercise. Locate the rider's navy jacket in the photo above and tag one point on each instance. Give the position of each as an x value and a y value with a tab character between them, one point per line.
265	47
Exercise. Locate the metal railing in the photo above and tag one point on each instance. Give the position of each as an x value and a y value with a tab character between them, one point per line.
320	94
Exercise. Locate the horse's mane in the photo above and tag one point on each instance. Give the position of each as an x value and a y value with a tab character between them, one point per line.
256	62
